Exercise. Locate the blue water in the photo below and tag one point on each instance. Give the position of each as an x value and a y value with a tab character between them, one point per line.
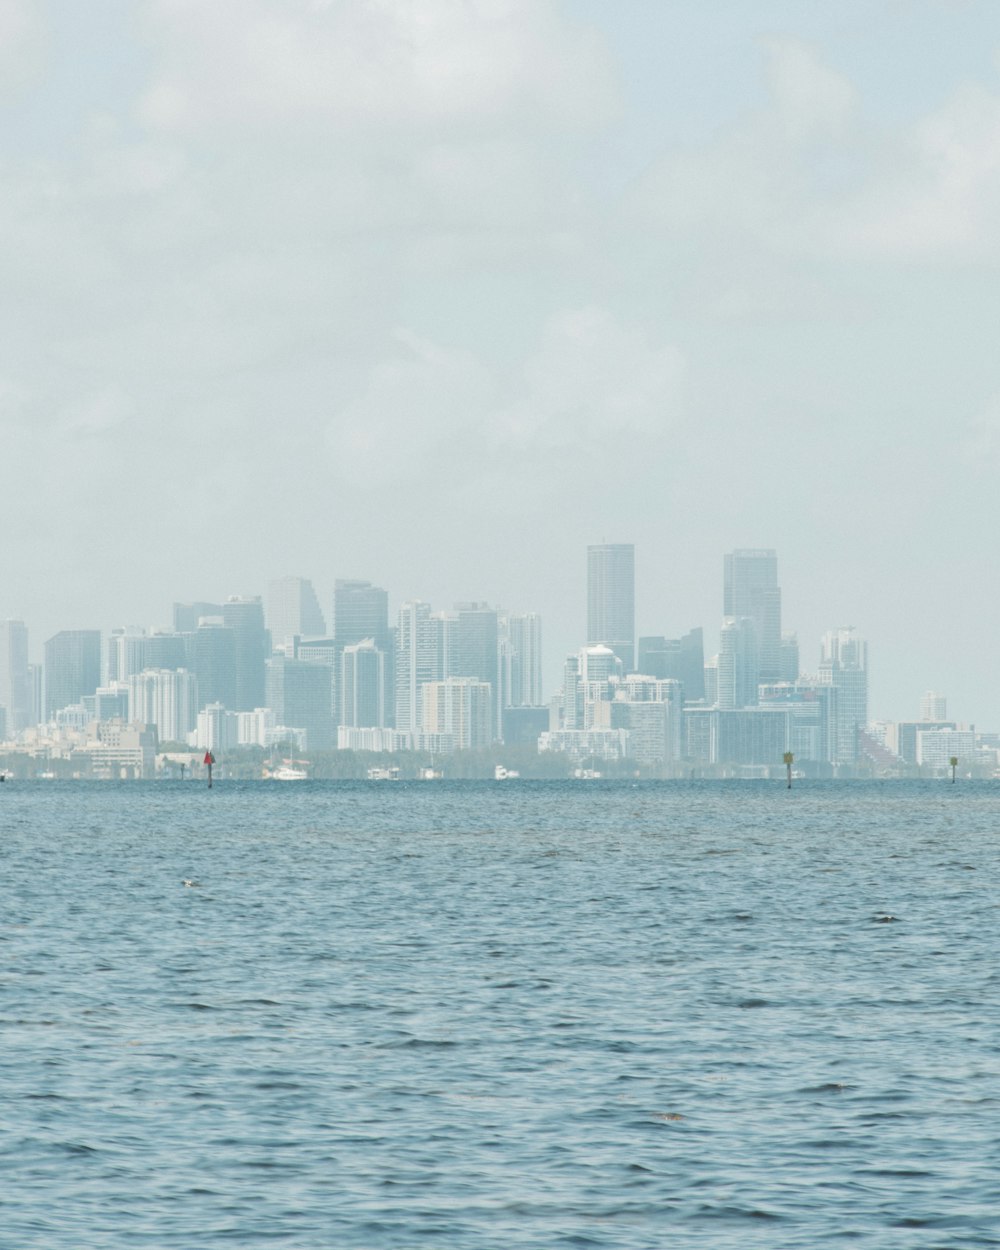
501	1014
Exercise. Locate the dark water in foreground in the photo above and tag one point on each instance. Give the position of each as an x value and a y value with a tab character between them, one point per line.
490	1015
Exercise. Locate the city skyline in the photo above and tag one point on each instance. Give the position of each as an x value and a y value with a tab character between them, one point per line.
401	291
353	590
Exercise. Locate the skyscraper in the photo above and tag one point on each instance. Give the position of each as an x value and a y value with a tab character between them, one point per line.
611	599
362	685
751	590
245	617
293	609
298	692
521	660
211	656
844	665
360	611
15	682
417	662
72	667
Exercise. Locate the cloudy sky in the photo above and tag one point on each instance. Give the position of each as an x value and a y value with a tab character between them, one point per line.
436	292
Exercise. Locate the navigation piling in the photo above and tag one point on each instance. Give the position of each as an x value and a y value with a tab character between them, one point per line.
789	759
208	762
953	761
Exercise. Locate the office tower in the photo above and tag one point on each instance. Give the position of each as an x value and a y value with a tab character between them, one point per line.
676	659
738	673
474	650
751	590
72	667
15	678
362	685
789	658
934	706
245	617
108	702
844	665
126	652
521	660
211	652
293	609
611	599
162	649
298	692
187	615
360	611
417	662
460	707
166	698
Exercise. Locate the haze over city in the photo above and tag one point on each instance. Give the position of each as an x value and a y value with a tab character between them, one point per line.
437	294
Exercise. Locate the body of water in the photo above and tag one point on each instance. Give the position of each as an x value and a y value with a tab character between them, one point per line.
481	1015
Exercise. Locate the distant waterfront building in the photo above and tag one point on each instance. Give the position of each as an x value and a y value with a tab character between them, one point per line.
750	589
15	677
611	599
362	699
217	729
934	706
245	617
293	610
583	745
72	667
187	615
936	747
521	660
460	707
211	656
676	659
108	702
738	672
417	662
844	665
298	692
473	651
789	658
166	698
360	611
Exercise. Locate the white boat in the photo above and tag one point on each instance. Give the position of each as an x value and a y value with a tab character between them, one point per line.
286	773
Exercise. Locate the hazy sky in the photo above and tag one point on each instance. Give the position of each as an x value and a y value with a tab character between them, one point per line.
436	292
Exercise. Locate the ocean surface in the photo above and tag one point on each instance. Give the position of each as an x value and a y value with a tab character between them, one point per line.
514	1014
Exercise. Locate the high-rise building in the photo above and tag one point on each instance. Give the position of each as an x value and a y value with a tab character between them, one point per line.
934	706
474	650
521	660
362	700
187	615
166	698
417	662
15	679
211	656
844	665
676	659
245	617
738	658
298	692
72	667
125	652
611	599
360	611
750	589
461	707
293	610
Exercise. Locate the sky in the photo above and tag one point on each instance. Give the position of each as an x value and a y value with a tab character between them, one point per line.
437	292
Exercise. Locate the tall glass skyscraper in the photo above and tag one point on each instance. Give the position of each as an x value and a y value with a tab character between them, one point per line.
611	599
750	589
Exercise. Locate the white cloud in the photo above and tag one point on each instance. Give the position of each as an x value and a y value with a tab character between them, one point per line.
371	63
22	45
573	409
